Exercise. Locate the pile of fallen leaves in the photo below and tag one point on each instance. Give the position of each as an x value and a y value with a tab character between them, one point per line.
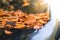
22	20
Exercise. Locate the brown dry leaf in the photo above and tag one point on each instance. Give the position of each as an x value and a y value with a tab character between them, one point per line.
29	26
3	23
9	26
7	32
1	13
37	16
26	20
30	19
19	26
26	3
37	27
21	14
22	19
41	21
1	26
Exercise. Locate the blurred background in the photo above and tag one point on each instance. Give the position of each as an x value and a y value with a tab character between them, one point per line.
55	8
53	4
